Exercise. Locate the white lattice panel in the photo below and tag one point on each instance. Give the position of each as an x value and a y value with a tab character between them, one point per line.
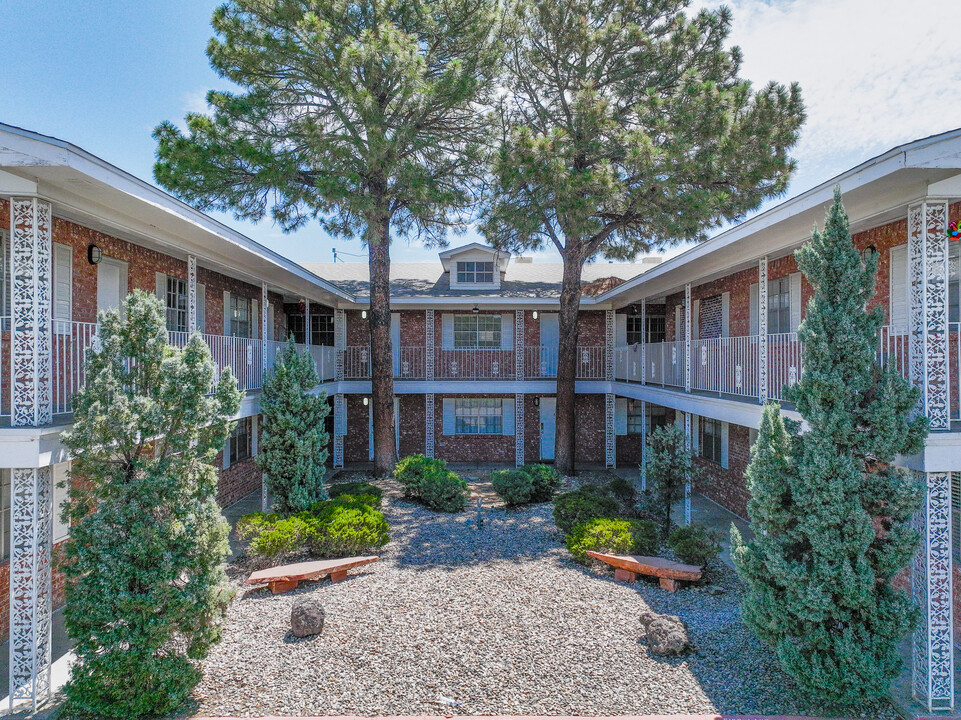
762	330
429	425
519	413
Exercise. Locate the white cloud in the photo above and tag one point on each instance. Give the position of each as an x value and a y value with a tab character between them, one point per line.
873	73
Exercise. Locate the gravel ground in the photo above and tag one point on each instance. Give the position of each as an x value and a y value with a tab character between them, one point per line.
501	621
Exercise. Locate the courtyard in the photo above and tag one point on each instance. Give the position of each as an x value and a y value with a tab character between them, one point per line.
496	620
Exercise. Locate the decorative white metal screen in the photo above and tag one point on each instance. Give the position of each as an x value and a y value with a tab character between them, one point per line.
192	294
340	340
609	338
687	482
340	429
429	350
31	511
933	666
687	337
30	382
610	437
519	429
762	330
519	345
643	444
644	341
429	423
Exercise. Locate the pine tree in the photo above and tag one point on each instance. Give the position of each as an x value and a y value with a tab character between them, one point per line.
293	444
829	511
670	466
626	128
364	116
145	584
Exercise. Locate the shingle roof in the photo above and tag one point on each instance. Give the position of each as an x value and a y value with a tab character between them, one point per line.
428	279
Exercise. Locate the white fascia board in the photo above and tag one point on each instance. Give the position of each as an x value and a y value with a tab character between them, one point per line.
941	453
465	387
23	149
466	302
11	184
938	152
731	411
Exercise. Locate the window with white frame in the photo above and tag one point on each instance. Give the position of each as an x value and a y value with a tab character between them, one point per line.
322	330
635	330
239	316
176	304
710	432
651	331
779	306
473	271
477	331
478	416
656	417
635	418
240	440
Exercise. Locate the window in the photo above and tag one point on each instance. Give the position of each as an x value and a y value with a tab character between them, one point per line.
656	417
176	305
635	333
322	330
240	440
711	440
655	328
478	416
475	272
779	306
5	517
477	331
239	316
295	327
635	418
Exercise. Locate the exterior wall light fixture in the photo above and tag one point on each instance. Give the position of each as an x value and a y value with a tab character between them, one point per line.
94	254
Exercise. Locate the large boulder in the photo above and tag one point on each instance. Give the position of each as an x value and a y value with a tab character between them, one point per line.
306	616
665	634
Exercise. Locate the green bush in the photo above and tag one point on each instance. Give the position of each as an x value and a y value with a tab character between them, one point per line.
515	487
546	481
412	471
578	506
348	528
445	491
284	536
624	492
624	537
356	489
346	500
253	524
694	544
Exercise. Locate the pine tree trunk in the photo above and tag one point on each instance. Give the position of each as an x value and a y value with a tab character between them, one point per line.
381	357
567	363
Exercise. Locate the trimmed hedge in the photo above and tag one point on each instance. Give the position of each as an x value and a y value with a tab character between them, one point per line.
694	544
579	506
429	481
546	481
514	486
357	489
626	537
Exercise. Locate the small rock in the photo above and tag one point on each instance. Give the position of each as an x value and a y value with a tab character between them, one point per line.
666	634
714	590
306	616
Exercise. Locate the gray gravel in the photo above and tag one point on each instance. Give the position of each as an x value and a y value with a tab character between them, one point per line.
501	621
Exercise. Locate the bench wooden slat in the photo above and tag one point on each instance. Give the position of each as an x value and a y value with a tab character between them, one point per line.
284	578
628	566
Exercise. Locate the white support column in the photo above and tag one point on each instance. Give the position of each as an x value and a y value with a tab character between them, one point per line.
687	337
31	223
518	429
687	483
933	646
429	355
191	294
340	429
264	317
31	514
519	345
340	341
762	330
609	338
643	346
610	432
643	443
429	421
928	294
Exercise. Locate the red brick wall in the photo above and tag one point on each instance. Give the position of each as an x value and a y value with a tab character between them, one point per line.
357	440
236	482
589	429
413	423
727	487
470	448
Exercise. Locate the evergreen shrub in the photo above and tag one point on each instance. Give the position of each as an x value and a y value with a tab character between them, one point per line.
579	506
444	491
546	480
411	471
515	487
607	535
694	544
356	489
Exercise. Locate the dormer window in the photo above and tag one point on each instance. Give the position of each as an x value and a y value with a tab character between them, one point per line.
472	271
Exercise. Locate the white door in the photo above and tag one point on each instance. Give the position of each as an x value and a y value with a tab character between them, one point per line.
549	341
548	413
111	284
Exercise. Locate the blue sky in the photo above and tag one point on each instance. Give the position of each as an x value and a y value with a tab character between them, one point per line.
103	74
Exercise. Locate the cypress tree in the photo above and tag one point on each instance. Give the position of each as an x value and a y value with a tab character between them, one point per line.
145	583
829	510
293	444
670	466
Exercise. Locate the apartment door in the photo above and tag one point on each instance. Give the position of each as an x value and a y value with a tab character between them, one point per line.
111	283
548	414
549	341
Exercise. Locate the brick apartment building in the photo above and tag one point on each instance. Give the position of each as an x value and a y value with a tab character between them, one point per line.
702	339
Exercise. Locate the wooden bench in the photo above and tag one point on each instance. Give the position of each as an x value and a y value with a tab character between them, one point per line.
628	567
285	578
